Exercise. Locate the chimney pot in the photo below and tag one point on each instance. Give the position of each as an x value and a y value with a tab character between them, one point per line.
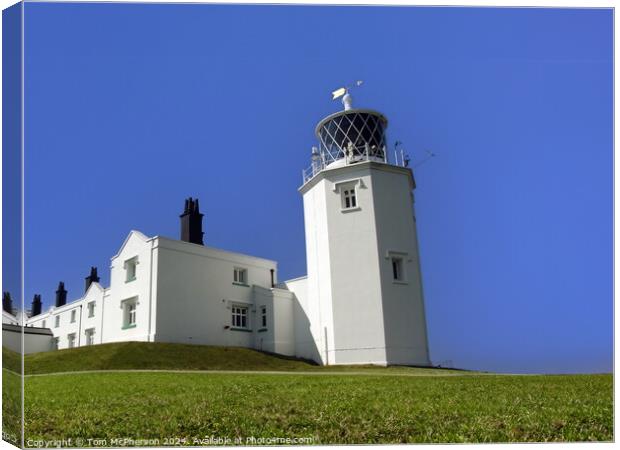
90	279
191	223
7	302
61	294
36	305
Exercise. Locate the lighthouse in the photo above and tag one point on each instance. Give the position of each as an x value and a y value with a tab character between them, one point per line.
364	297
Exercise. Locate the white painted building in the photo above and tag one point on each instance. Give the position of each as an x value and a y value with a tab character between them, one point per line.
360	303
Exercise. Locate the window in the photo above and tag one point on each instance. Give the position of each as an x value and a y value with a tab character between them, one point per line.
91	309
43	324
73	316
71	340
240	276
263	316
57	322
349	199
129	313
397	269
240	317
90	336
55	343
130	269
348	191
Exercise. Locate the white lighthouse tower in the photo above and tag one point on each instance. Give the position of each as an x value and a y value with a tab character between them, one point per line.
363	299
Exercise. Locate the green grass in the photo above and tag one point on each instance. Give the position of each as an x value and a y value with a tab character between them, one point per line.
328	409
11	396
11	360
161	356
11	407
329	405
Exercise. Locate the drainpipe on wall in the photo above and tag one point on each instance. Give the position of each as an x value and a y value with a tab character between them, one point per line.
80	327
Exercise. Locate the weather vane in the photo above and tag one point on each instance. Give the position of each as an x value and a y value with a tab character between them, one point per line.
343	92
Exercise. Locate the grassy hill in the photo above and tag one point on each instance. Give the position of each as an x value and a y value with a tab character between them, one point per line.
162	356
325	405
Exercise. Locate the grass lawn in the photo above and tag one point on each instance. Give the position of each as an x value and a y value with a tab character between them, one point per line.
327	408
328	405
11	407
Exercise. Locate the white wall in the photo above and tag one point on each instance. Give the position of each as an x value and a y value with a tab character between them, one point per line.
318	309
365	317
306	345
279	334
136	246
35	340
196	293
12	339
357	326
403	302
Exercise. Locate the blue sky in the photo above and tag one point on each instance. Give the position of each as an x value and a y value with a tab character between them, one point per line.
132	108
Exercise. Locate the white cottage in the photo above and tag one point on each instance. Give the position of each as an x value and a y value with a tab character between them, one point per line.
361	302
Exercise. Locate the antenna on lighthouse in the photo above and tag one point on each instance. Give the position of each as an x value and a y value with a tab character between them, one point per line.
429	155
405	160
343	92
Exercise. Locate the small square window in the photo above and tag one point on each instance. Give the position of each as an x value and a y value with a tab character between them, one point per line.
91	309
130	269
57	321
71	340
348	198
348	191
240	276
240	317
73	316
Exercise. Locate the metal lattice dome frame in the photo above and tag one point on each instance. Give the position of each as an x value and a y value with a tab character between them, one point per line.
356	132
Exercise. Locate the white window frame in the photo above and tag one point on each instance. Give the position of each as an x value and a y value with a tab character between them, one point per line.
57	321
71	340
91	309
238	314
240	276
263	317
349	197
73	315
130	313
349	193
89	335
131	269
